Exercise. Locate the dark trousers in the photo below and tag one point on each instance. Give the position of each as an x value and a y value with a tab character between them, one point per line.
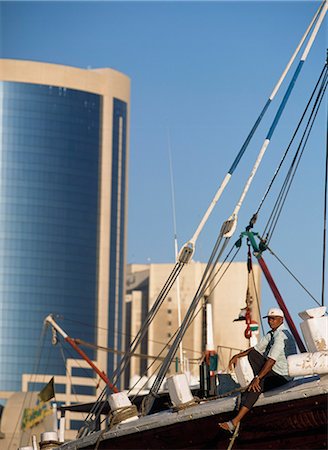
270	381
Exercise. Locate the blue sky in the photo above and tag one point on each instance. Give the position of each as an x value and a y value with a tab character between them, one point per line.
200	74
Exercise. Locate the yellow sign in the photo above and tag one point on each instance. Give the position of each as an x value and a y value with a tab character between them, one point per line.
33	416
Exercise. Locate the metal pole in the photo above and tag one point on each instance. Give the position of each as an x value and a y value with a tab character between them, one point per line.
49	319
102	375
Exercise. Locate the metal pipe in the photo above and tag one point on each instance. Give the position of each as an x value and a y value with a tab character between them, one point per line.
49	319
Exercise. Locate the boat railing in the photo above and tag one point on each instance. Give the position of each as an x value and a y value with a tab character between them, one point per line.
224	355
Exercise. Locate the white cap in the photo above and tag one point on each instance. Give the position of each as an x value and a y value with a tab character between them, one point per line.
274	312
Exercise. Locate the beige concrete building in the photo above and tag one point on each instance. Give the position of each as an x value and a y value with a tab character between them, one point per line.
144	283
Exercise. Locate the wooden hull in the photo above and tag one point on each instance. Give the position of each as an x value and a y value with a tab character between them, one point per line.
293	424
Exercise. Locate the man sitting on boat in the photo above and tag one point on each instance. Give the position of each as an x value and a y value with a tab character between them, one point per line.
268	359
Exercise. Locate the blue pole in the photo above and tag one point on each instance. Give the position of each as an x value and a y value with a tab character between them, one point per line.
249	137
189	247
284	100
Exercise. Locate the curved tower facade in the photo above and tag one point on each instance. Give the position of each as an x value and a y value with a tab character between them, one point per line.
63	200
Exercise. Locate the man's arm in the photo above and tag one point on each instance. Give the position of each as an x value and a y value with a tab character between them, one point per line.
233	360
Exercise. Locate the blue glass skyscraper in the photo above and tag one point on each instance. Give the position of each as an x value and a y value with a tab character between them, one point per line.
63	199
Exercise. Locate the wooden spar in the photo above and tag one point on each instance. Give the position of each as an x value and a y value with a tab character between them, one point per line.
276	293
281	303
49	319
323	9
191	243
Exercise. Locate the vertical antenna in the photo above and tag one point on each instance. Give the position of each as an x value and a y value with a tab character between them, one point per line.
176	250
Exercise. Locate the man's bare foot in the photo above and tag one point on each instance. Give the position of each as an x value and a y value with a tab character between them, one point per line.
228	426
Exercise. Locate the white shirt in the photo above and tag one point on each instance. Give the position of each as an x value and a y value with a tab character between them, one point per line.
283	345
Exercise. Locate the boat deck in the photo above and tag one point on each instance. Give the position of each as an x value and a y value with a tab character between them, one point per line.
299	409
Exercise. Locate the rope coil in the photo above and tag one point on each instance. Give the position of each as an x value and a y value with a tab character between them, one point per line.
195	401
120	414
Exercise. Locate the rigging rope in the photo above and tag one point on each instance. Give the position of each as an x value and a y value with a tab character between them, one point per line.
106	349
166	346
30	430
97	415
294	276
281	108
317	20
111	350
232	221
207	278
208	272
61	349
150	316
152	363
234	436
36	370
276	212
319	91
220	267
324	215
97	410
289	145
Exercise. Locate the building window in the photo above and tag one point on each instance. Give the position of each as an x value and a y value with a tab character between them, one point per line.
50	156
